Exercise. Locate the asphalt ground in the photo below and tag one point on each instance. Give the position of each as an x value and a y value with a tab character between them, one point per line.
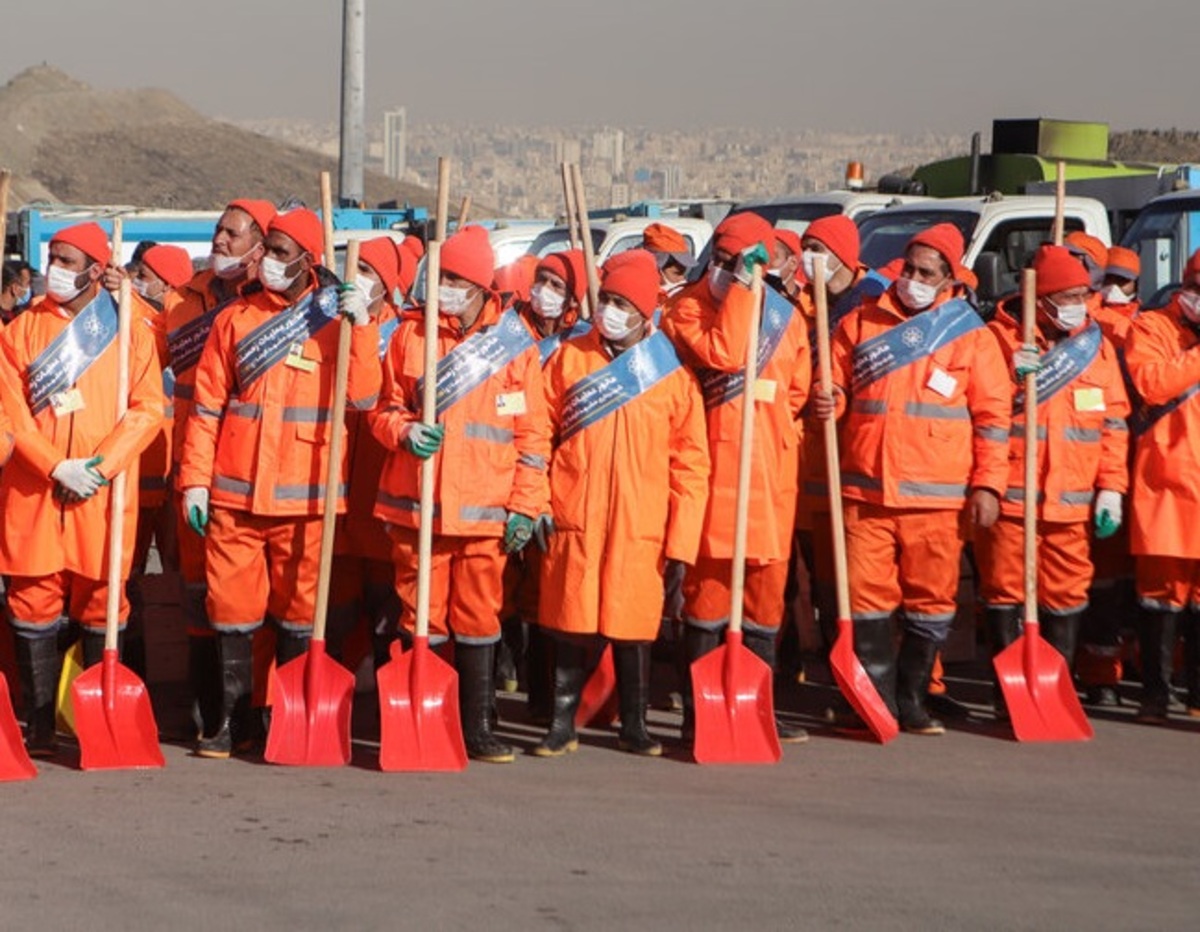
967	831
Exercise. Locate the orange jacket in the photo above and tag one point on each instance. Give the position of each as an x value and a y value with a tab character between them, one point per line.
1083	435
714	337
492	462
264	448
155	466
626	491
1114	319
924	434
1163	358
40	535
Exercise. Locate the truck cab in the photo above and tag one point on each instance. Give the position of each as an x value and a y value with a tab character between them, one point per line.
1164	235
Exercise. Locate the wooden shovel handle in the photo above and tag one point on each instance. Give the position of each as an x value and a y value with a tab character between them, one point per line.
116	523
585	237
433	265
569	201
443	200
745	458
1060	202
1028	327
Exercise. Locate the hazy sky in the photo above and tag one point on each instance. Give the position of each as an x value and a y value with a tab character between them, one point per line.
941	65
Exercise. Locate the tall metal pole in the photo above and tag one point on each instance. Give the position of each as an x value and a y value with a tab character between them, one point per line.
353	139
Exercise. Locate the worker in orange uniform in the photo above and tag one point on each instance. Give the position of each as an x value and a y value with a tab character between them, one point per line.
783	274
236	251
491	485
1083	446
708	323
362	583
551	311
63	354
672	253
255	459
628	486
926	399
1163	357
1112	599
409	252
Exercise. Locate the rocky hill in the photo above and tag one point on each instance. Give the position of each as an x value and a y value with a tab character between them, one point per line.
1171	146
67	142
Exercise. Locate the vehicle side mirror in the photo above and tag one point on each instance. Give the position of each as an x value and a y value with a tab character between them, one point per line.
988	269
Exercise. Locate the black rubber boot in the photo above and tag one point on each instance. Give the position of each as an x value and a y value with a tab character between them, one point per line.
289	645
39	665
762	645
477	702
509	652
1191	662
1003	623
570	660
913	668
1062	632
632	662
1156	634
133	653
540	675
873	647
204	678
696	643
235	656
93	646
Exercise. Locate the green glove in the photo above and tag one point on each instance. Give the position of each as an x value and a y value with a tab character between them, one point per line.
517	532
755	255
1026	361
1108	514
195	506
423	441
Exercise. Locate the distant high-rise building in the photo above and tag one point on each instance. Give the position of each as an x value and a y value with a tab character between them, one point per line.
610	144
619	194
395	133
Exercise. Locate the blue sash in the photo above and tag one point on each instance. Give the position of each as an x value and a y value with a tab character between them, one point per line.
186	343
871	285
385	335
1146	416
268	343
599	394
72	352
477	359
547	345
911	341
1062	365
719	386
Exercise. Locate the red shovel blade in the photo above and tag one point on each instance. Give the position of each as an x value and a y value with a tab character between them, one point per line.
310	712
114	720
1041	699
598	702
735	708
858	688
14	760
419	723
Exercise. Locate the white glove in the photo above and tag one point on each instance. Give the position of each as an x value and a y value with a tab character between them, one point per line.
79	476
352	304
195	508
1108	513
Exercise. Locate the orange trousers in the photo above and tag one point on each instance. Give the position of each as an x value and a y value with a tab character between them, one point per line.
35	603
905	559
707	597
466	586
189	550
1170	584
1064	565
260	566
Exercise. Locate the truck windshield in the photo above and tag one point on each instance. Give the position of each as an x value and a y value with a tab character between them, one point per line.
795	217
885	234
557	240
1164	236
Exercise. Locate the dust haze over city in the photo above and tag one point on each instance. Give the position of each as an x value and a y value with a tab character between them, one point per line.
722	100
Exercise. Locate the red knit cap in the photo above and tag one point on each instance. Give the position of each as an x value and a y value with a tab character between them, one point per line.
790	240
304	227
468	254
516	278
1057	270
658	237
568	265
89	238
946	240
261	212
741	231
414	246
170	263
1123	263
633	275
407	261
1084	244
839	235
380	254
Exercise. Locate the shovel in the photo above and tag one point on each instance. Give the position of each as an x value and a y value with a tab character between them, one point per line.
858	688
735	708
598	701
114	720
419	723
1041	698
313	694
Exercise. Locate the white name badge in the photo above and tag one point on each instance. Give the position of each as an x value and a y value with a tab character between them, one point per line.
512	403
942	382
68	402
764	390
1089	399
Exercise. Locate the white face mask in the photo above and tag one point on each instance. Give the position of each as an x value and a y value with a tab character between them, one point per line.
143	288
368	287
229	266
1190	302
614	324
719	282
273	274
669	288
61	284
1114	295
915	295
547	302
808	259
1067	317
453	301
